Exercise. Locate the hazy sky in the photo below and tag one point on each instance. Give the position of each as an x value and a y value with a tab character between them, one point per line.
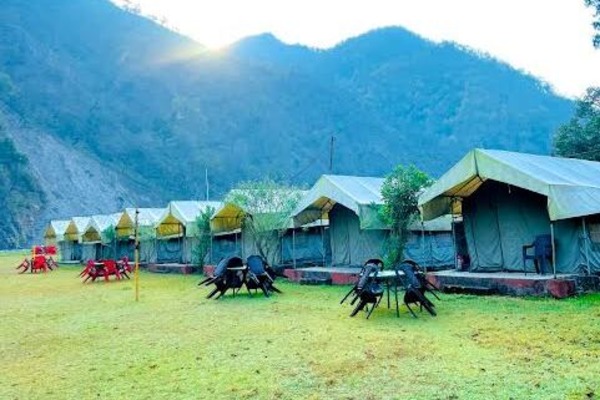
548	38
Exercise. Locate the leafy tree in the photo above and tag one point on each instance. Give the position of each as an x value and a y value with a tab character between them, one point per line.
595	4
267	207
400	194
580	137
110	237
202	222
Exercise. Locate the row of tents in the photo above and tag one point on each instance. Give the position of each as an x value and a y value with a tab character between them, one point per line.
484	210
336	223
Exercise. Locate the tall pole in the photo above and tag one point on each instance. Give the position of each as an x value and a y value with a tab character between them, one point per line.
136	256
331	147
206	181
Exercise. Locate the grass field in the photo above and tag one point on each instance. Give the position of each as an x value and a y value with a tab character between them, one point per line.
60	339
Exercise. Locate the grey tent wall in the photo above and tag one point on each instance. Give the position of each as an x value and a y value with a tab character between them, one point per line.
169	250
499	220
434	250
306	246
226	246
590	249
351	245
126	248
90	251
68	250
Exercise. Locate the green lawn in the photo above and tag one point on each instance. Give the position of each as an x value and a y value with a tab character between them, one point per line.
62	339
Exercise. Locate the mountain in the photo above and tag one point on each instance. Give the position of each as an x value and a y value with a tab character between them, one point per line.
105	108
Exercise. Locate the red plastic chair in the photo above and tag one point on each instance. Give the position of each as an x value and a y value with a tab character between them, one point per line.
110	268
26	264
39	264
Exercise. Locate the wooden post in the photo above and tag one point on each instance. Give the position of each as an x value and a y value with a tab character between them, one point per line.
137	256
454	240
294	247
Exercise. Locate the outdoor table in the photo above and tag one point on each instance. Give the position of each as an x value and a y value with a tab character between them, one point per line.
388	277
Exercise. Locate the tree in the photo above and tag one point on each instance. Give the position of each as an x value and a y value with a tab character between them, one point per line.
595	4
580	137
400	195
109	239
267	207
202	248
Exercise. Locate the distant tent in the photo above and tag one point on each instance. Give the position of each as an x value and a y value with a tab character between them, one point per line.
356	232
506	199
54	234
73	235
98	240
177	232
230	237
147	220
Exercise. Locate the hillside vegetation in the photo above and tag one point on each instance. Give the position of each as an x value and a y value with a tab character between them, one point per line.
145	110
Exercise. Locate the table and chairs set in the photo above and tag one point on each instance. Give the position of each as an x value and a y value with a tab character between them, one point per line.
95	269
233	274
41	260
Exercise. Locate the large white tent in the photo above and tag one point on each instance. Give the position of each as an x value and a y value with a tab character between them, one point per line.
351	204
147	219
177	232
506	199
54	234
71	248
99	237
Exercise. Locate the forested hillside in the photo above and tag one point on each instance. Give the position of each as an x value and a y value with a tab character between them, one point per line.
130	112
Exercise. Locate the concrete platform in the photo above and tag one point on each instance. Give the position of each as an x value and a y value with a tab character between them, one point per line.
503	283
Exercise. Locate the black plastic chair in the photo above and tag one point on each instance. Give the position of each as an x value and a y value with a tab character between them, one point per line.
368	291
259	277
414	291
371	262
542	254
426	285
227	275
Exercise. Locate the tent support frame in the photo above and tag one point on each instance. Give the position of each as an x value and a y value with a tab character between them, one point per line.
553	249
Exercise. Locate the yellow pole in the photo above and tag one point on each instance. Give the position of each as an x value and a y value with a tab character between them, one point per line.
136	270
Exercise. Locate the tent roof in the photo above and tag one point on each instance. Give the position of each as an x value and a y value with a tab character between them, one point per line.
186	212
146	217
77	225
353	192
56	228
101	222
572	186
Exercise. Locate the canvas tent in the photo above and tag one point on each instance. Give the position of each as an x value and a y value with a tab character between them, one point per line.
125	232
72	243
356	232
506	199
230	237
54	234
177	232
98	240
